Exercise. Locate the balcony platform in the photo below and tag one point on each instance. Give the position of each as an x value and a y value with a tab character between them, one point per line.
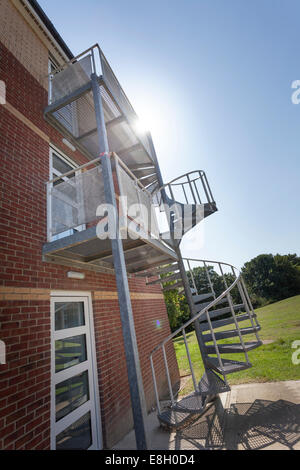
84	250
72	112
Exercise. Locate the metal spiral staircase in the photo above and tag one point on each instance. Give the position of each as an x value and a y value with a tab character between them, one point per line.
218	312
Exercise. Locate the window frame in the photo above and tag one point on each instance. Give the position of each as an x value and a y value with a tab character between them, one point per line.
93	404
53	174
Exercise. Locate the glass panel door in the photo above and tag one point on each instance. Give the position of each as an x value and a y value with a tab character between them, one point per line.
74	409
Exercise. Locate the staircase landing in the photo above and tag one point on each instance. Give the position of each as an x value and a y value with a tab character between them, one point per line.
86	251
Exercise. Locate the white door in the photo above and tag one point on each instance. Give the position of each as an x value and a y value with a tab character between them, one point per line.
75	414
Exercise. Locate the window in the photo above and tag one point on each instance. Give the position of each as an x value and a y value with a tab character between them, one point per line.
59	165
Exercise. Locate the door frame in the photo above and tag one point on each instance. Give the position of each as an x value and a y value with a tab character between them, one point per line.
70	296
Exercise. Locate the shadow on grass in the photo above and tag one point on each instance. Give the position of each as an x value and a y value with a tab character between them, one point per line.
249	426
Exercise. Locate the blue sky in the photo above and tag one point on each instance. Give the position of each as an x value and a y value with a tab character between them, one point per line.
212	79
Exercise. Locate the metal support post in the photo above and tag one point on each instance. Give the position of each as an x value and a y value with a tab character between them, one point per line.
131	351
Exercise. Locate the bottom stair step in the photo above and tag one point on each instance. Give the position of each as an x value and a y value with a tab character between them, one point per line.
173	419
233	348
212	384
192	403
229	366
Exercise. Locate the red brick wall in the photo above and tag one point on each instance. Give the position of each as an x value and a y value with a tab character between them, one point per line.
26	282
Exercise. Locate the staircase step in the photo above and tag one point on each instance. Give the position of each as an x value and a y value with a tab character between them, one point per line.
230	333
222	311
204	326
173	277
210	208
172	419
212	384
198	298
158	270
173	286
233	348
192	403
199	307
229	366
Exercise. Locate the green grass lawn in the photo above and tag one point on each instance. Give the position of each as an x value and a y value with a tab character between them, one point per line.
279	322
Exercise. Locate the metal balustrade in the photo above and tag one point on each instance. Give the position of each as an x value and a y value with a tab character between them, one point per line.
190	188
209	316
75	196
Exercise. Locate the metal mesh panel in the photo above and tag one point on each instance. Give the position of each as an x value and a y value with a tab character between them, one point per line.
145	215
74	202
115	88
72	77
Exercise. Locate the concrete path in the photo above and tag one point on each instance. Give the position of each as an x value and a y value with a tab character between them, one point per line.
250	416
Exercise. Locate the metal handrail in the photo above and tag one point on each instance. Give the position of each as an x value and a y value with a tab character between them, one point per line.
179	177
226	294
190	181
97	160
208	307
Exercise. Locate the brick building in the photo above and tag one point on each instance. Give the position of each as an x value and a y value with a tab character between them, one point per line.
65	380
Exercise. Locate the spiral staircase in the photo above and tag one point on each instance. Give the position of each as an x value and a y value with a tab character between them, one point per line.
219	313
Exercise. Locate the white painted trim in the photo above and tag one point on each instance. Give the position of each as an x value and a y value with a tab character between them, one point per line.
49	36
55	150
93	404
70	293
61	154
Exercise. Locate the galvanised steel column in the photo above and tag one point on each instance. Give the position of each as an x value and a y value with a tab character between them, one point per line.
131	351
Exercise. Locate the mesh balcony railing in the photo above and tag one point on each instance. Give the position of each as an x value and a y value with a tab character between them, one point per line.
71	110
77	198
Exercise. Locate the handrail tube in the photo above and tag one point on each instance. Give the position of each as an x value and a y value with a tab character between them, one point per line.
155	385
210	261
191	188
205	189
214	339
190	360
208	186
68	173
209	279
181	176
168	375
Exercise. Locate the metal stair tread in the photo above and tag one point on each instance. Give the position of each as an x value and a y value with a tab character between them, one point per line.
191	403
221	311
176	419
233	347
173	286
230	333
159	270
212	384
198	298
198	307
229	366
204	325
173	277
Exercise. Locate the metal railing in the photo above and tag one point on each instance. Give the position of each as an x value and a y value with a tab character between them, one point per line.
73	199
205	314
190	188
184	201
76	74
